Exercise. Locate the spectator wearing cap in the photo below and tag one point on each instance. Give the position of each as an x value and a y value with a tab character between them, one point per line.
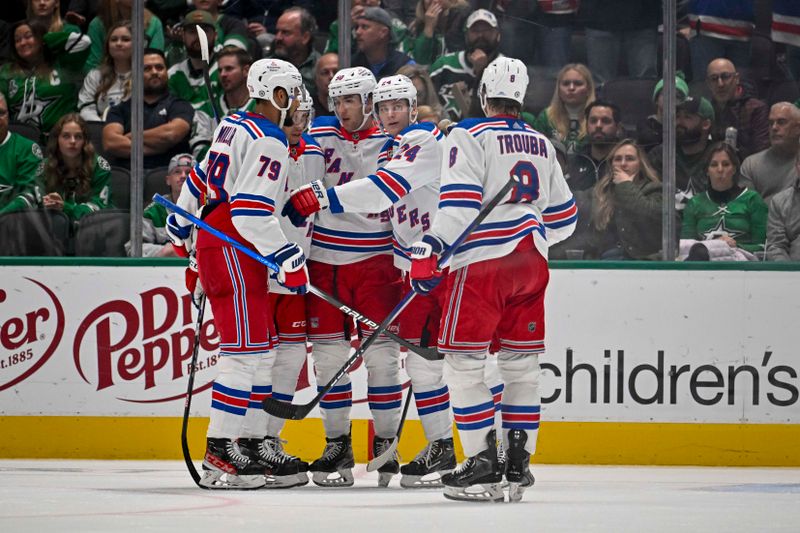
398	27
721	28
615	27
167	119
155	242
437	29
649	132
456	76
294	42
770	171
109	13
376	48
694	119
736	106
230	30
186	78
20	167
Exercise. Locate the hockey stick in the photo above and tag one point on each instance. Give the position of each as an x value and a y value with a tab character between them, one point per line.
297	412
188	404
422	352
388	453
201	35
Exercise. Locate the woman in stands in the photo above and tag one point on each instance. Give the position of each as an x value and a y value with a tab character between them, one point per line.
110	83
426	93
437	29
39	82
76	179
726	212
109	13
626	205
48	12
564	119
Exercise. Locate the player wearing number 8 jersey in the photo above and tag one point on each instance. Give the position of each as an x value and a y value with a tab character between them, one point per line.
497	279
237	185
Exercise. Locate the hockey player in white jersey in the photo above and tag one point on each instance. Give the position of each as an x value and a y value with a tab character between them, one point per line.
288	308
497	279
352	259
237	185
407	184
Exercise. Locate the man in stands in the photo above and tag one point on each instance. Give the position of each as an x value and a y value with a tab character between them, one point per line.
783	224
376	49
735	106
167	119
772	170
604	128
294	42
186	78
327	66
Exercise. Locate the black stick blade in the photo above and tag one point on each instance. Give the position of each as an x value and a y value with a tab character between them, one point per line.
285	410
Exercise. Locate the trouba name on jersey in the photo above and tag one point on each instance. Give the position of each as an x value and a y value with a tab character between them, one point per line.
522	143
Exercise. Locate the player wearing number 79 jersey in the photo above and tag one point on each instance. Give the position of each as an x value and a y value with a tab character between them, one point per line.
496	283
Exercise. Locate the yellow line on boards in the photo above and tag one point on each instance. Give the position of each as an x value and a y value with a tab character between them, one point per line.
559	442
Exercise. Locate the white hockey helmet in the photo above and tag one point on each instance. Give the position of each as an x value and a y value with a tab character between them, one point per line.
266	75
354	80
306	106
397	87
505	77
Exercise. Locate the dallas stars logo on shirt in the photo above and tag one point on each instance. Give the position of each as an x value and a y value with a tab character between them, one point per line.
721	228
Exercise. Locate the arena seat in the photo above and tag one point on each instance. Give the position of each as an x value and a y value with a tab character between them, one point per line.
103	233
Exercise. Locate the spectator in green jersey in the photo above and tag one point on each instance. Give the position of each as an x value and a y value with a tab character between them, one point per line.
76	178
437	29
565	119
20	167
186	78
726	212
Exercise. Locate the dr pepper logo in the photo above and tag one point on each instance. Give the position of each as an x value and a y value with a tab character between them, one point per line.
141	348
31	326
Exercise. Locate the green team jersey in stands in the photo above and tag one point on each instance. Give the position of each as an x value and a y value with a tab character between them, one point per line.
156	214
20	169
41	99
187	83
743	218
153	38
449	70
98	197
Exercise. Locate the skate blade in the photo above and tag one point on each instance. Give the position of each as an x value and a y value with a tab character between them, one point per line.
384	478
217	480
487	492
428	481
283	482
341	478
302	479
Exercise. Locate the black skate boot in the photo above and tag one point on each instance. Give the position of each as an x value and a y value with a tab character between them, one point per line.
225	467
302	466
428	467
478	479
501	460
336	459
518	473
391	467
281	469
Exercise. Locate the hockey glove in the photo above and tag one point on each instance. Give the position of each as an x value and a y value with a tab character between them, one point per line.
180	235
306	201
292	272
193	284
425	273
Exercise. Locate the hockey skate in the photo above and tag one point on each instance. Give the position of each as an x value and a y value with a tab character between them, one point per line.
518	473
335	467
478	479
428	467
391	467
501	460
225	467
281	469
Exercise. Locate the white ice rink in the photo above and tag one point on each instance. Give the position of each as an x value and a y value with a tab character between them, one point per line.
145	496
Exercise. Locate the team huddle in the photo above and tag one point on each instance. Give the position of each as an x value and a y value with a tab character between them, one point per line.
363	205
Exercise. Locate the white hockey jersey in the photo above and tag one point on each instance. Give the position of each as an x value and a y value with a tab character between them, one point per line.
246	167
351	237
480	156
306	164
406	183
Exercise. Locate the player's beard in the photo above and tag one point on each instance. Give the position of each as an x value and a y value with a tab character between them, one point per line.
488	47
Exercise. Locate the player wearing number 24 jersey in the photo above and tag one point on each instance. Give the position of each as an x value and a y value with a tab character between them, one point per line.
496	282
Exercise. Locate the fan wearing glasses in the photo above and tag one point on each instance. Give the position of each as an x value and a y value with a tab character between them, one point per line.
736	106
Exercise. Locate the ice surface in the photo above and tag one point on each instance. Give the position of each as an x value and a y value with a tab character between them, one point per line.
144	496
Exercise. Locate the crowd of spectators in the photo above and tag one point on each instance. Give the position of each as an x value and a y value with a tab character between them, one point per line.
65	85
